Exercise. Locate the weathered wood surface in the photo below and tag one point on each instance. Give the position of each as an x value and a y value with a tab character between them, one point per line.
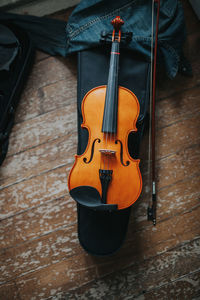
40	256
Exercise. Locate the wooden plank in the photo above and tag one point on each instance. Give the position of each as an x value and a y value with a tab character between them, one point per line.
177	108
61	276
38	160
177	136
185	287
9	291
166	234
43	100
33	192
42	129
172	200
142	243
50	71
176	175
39	55
38	221
39	253
173	167
143	276
51	84
178	166
69	277
147	242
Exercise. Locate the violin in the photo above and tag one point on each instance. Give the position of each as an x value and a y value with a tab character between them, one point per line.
109	114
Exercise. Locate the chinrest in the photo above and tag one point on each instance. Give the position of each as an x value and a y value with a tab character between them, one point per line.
90	197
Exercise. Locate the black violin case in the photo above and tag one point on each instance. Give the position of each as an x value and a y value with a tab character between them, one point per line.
102	232
16	57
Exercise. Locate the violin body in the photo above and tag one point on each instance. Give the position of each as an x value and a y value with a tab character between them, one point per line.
106	170
109	151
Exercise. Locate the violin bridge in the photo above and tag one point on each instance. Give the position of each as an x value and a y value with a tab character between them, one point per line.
107	152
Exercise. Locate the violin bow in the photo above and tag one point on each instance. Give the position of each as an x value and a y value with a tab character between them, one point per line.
151	210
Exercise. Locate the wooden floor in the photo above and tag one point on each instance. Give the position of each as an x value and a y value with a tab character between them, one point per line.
40	254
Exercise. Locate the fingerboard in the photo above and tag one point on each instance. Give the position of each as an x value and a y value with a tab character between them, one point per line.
111	100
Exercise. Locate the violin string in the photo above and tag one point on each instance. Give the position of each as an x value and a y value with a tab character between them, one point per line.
104	159
112	133
109	136
117	71
150	101
109	147
105	156
108	155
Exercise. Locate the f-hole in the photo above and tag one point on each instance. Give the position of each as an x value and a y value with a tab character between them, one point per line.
92	152
121	154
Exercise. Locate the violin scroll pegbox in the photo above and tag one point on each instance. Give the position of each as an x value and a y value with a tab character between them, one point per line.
108	37
117	24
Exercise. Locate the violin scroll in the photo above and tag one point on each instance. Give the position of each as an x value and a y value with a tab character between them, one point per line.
117	23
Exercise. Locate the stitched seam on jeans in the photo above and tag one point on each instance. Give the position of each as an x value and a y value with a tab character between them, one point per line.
98	19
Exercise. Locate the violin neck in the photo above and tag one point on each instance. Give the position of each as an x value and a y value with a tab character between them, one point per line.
111	101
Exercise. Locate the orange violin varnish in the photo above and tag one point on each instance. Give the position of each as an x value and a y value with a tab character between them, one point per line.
109	114
126	183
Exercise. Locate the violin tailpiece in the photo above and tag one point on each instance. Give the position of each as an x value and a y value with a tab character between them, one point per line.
105	178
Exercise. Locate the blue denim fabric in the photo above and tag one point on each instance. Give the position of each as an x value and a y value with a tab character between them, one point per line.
90	17
47	34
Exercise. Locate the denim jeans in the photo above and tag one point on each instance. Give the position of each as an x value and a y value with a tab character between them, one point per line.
90	17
